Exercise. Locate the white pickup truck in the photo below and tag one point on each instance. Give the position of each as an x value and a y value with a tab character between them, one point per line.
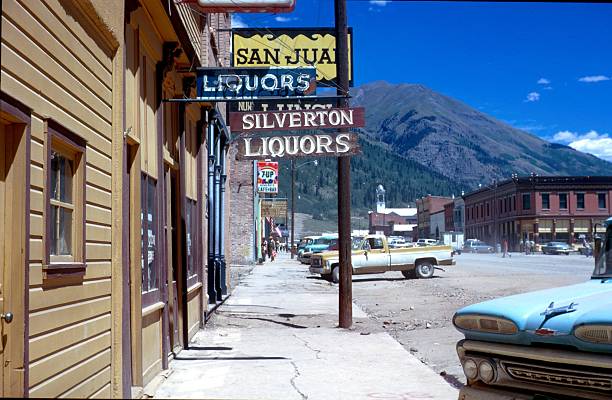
373	256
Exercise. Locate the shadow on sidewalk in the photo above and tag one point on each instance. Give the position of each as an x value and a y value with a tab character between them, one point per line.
198	358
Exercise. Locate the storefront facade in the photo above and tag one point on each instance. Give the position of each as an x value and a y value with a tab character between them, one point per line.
107	206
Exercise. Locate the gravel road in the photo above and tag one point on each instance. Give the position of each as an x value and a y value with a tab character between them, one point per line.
418	313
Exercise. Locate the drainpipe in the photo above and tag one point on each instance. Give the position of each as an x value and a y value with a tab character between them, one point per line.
222	221
212	299
217	225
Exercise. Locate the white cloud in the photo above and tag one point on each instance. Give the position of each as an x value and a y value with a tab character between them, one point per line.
564	136
238	22
594	78
597	144
533	96
543	81
381	3
284	19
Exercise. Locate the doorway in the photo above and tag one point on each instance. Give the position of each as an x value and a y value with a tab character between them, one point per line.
14	248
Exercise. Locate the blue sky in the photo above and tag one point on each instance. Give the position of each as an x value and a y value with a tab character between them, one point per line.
542	67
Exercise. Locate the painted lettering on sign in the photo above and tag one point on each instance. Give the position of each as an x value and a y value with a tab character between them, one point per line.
333	118
316	103
316	145
290	47
267	177
253	83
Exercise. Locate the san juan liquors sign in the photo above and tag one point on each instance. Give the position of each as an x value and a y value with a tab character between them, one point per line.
267	177
292	47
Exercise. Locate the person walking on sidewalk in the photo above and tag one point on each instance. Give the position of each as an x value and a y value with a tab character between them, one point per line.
271	249
505	247
264	249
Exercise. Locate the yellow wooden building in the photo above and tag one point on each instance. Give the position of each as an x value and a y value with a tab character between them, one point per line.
107	266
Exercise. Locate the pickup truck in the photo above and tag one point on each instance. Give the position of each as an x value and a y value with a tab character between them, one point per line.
373	256
549	344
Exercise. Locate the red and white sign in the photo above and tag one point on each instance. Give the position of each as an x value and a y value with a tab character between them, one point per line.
332	118
267	177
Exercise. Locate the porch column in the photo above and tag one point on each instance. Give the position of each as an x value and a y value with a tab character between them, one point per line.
212	293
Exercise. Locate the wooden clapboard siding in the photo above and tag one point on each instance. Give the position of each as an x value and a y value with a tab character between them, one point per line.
97	233
104	393
64	359
97	196
98	178
41	298
95	270
53	319
97	214
69	378
52	342
90	386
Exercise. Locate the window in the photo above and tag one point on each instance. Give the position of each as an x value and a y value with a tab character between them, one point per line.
563	201
580	200
526	201
601	200
374	244
487	209
514	202
150	263
65	201
192	239
546	201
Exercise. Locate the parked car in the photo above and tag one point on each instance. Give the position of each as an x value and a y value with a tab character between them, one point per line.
557	248
476	246
317	246
549	344
306	240
426	242
374	256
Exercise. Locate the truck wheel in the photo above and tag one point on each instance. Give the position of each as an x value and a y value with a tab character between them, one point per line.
409	274
424	270
335	275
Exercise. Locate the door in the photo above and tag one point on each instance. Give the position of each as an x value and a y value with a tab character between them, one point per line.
375	257
172	257
14	232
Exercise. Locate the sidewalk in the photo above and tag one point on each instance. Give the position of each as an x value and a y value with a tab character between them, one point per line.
276	338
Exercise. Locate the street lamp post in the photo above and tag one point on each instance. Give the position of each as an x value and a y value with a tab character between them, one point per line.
293	169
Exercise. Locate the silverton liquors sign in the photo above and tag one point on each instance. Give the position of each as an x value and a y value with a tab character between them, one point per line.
332	118
290	146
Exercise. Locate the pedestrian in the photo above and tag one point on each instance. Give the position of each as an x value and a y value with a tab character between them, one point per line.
505	246
271	249
521	245
264	249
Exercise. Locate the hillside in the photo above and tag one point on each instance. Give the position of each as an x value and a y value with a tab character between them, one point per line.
405	181
455	140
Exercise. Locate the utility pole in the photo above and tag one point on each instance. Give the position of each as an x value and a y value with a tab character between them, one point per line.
344	174
292	208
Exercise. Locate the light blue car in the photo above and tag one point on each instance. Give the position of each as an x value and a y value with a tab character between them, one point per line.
549	344
318	245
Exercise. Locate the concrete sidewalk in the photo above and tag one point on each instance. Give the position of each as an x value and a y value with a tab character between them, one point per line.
276	338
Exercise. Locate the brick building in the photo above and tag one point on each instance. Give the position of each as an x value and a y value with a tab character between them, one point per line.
425	207
391	221
538	208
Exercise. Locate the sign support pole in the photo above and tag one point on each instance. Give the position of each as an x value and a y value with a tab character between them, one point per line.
344	174
292	208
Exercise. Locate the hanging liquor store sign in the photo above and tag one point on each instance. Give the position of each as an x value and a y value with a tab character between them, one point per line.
227	84
330	118
251	147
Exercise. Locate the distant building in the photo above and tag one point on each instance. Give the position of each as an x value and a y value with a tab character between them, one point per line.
391	221
459	214
538	208
437	224
425	207
449	211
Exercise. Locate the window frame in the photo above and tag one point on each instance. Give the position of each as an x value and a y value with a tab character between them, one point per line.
152	296
599	199
565	194
547	200
60	140
194	267
583	200
523	196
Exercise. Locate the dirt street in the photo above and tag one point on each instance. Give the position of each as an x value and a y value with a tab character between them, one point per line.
418	313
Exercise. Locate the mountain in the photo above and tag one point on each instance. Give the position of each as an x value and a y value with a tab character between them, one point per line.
458	142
